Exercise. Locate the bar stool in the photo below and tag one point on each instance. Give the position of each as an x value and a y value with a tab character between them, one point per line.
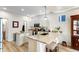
64	43
53	47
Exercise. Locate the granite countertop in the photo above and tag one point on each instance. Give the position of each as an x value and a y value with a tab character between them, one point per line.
46	39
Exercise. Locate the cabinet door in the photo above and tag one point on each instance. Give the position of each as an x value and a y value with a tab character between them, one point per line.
75	43
75	28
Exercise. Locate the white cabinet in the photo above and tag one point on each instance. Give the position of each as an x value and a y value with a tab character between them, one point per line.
21	39
41	47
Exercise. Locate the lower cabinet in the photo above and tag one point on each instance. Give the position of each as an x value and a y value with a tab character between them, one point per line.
21	39
32	46
75	43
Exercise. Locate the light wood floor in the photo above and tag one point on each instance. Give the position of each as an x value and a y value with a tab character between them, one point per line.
66	49
11	47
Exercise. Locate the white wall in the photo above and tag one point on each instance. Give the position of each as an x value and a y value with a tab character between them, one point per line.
9	29
40	19
54	22
8	26
12	30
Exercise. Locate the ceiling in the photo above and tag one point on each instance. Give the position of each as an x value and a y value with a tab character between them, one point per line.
34	10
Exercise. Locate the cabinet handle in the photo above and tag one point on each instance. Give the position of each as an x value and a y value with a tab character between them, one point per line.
78	40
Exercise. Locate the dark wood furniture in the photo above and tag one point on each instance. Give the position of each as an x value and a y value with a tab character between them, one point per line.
4	35
75	31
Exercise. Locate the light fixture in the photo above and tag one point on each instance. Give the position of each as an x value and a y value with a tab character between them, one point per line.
4	8
22	9
4	20
25	18
40	11
45	18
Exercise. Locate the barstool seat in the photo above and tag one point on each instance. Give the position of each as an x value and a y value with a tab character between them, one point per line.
53	47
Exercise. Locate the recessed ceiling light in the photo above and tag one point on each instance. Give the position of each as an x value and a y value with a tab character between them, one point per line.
40	10
4	8
22	9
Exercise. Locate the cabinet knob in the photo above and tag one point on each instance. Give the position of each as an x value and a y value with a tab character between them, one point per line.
76	44
78	40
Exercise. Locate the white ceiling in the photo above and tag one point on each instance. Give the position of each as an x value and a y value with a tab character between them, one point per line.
35	10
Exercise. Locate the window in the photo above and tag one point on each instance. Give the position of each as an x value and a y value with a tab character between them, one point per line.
0	34
62	18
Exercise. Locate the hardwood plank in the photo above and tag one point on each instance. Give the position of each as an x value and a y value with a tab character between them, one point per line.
12	47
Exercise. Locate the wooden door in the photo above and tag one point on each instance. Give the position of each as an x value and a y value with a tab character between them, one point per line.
4	35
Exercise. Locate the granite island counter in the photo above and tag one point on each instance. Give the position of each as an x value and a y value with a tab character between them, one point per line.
46	39
39	42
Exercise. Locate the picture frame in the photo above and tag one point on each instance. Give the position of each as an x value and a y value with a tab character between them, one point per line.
15	24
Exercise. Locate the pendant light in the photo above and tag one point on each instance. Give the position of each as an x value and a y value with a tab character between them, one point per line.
45	18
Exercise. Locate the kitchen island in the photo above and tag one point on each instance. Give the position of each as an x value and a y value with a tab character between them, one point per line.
39	42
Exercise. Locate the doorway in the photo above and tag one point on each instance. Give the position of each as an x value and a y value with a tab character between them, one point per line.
4	27
0	35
